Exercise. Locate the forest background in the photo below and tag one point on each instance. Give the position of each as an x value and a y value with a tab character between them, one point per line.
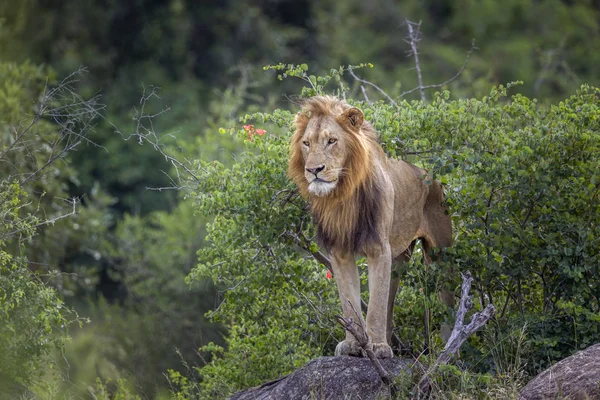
124	106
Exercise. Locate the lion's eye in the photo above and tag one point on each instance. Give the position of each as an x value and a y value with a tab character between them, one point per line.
332	141
306	143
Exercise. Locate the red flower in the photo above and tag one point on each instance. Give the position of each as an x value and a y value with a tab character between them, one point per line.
251	131
328	275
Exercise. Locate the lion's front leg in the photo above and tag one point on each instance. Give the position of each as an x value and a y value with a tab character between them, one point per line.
380	268
348	283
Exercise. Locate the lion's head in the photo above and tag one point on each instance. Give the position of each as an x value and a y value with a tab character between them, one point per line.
330	149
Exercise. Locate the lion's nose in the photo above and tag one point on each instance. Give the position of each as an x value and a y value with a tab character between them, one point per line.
316	170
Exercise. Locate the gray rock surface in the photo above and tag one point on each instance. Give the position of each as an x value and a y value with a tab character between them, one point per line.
329	378
574	378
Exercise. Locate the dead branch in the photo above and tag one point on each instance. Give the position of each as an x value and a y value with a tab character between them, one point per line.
74	118
439	85
33	150
373	85
146	133
359	333
73	203
364	92
414	37
459	335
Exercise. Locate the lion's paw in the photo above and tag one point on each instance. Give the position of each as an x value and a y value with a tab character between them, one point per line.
348	348
382	350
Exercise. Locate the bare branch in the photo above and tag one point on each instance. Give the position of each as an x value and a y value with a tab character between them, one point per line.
459	335
373	85
364	92
35	148
413	39
74	118
414	36
73	202
343	90
146	133
359	333
439	85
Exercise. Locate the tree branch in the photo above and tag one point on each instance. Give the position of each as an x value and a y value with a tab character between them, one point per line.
459	335
439	85
414	36
373	85
359	333
145	133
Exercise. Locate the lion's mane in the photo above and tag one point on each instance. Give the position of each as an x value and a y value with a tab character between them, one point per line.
347	218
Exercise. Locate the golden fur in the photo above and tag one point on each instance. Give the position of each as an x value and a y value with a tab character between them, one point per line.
362	203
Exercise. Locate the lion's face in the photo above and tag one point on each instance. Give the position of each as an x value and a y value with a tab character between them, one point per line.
324	147
328	149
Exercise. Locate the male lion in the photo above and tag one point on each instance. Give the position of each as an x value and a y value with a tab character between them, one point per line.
363	203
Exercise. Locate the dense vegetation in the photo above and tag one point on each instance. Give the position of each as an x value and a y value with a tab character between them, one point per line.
109	202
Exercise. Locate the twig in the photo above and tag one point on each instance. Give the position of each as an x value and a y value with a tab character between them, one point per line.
364	92
73	201
363	341
74	117
459	335
342	91
146	133
320	257
373	85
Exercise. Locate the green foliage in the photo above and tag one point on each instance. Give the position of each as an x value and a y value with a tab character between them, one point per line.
32	318
32	142
44	120
316	84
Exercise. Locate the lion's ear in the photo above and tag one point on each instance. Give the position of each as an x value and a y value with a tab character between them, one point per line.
353	117
300	118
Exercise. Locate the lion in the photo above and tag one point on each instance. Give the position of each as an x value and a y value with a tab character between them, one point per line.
363	204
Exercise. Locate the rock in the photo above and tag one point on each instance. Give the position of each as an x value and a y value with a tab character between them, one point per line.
576	377
329	378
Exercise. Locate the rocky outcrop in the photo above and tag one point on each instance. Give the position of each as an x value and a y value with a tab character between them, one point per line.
329	378
574	378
